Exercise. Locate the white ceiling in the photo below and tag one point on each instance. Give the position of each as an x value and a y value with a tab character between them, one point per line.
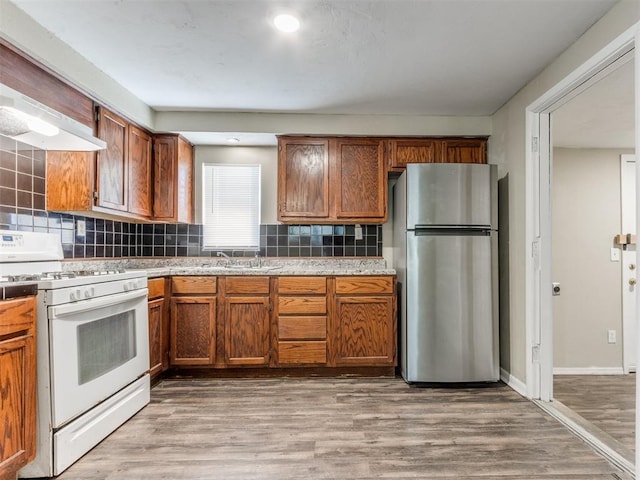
373	57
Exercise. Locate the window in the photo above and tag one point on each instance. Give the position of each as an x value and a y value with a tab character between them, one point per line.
231	207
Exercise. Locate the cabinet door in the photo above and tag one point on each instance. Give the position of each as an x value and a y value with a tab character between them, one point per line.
247	330
139	171
364	331
156	308
412	150
193	330
111	171
17	397
464	150
164	178
359	180
303	178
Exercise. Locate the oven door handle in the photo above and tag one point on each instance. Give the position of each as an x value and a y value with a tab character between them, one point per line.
100	302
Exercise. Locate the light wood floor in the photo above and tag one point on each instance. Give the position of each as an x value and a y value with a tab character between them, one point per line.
607	401
350	428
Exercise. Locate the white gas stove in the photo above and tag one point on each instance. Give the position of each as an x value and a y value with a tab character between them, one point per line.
92	348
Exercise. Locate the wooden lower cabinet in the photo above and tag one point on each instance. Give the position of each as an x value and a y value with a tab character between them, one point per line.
158	308
247	319
193	321
18	382
364	327
302	321
283	322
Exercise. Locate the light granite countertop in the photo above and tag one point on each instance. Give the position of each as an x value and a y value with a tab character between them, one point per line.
240	266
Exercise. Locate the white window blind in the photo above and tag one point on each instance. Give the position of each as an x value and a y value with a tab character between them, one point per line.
231	207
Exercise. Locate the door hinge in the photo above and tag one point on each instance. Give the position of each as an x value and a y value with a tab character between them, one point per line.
535	144
535	353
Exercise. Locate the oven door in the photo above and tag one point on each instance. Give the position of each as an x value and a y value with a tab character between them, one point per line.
98	346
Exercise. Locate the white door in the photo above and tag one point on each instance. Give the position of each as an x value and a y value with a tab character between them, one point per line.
629	266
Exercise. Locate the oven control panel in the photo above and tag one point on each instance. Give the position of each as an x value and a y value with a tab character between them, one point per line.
14	240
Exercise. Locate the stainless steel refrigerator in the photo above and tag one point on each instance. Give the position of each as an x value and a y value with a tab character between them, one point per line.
445	255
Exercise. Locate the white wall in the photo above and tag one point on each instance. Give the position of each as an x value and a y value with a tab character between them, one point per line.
585	219
508	150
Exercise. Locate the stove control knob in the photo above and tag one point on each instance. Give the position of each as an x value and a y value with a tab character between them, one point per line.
125	285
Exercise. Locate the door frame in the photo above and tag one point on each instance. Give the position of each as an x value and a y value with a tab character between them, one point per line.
538	163
629	314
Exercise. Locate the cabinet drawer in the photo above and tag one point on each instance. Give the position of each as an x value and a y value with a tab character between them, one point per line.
297	353
302	285
302	305
156	288
17	315
302	328
193	285
251	285
351	285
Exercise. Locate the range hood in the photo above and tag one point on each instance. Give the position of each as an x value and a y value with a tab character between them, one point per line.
33	123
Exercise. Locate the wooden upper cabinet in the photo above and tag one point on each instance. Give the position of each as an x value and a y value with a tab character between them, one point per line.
331	180
303	178
172	179
112	164
359	179
139	190
464	150
403	151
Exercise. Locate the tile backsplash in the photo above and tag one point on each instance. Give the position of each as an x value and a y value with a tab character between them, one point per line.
22	207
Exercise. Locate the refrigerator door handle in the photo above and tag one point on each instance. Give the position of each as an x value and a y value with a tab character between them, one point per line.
453	232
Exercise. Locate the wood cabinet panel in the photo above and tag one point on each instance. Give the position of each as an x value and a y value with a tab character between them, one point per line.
302	285
303	178
302	305
301	353
365	331
193	330
173	179
302	328
360	178
112	166
22	73
353	285
139	164
193	284
156	287
403	151
156	308
18	381
246	285
464	150
72	173
247	323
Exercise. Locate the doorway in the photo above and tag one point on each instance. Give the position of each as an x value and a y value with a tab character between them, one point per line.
539	311
591	135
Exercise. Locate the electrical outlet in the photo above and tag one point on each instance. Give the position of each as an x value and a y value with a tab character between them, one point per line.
611	336
358	232
81	228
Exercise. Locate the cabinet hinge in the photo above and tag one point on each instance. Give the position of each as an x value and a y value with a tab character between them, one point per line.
96	195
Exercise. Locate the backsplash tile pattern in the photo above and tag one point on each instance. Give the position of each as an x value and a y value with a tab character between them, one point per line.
22	207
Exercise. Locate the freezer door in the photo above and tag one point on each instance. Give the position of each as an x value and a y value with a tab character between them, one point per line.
449	194
451	333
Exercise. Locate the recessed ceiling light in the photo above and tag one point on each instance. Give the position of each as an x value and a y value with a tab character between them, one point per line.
286	23
233	140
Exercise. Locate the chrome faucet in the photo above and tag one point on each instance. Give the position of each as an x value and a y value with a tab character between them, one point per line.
227	257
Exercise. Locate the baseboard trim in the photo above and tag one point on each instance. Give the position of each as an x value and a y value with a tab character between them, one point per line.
513	382
589	371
